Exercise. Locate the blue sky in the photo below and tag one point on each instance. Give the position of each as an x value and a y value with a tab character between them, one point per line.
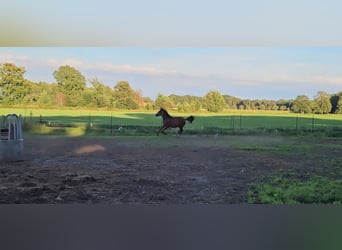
250	49
189	23
245	72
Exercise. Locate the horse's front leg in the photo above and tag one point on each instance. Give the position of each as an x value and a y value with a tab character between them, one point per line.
162	128
159	130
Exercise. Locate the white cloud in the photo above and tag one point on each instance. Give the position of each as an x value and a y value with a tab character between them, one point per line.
126	68
330	80
6	57
71	62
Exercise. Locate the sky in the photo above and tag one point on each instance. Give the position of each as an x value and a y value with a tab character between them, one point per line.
245	72
171	23
265	49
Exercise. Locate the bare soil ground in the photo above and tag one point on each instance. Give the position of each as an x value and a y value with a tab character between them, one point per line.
164	169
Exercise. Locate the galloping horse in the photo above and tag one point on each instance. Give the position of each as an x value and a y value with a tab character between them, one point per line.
172	122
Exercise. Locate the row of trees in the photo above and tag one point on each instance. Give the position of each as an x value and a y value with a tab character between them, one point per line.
213	101
70	89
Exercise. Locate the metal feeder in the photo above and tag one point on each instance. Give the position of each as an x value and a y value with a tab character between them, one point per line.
11	138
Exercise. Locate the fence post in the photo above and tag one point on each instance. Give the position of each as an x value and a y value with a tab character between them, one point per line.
240	121
89	122
111	122
232	125
312	123
297	123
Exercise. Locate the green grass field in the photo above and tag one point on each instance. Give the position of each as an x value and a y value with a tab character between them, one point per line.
134	122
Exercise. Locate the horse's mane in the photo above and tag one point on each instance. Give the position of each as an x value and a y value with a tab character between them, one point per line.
167	114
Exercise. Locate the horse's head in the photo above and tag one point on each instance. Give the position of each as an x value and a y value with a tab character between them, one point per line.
160	112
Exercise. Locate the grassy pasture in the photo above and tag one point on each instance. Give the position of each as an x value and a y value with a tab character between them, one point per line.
79	122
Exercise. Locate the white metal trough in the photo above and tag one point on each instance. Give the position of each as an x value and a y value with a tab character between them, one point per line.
11	138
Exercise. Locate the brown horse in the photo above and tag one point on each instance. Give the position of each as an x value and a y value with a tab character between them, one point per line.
172	122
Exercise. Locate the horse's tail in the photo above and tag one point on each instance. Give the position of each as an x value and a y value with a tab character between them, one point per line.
190	119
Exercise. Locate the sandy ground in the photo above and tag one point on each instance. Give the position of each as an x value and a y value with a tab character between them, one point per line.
187	170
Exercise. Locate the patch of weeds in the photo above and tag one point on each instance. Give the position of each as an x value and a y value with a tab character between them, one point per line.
334	166
281	148
336	162
281	190
333	132
251	148
43	129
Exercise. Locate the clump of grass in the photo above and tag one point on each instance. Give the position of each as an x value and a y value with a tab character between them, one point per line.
43	129
280	190
267	148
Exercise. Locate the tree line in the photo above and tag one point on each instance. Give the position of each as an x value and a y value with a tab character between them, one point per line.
70	90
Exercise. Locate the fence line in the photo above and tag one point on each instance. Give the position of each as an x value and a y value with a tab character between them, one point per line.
233	122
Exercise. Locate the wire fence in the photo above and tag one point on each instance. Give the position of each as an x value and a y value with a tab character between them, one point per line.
147	124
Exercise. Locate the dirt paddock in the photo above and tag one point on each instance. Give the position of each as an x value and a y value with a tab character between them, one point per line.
164	169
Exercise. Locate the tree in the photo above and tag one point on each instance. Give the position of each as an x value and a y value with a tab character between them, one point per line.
100	95
13	85
336	102
139	99
71	82
40	94
196	104
232	102
163	101
186	103
149	103
322	104
47	92
125	96
302	104
283	104
214	101
60	99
